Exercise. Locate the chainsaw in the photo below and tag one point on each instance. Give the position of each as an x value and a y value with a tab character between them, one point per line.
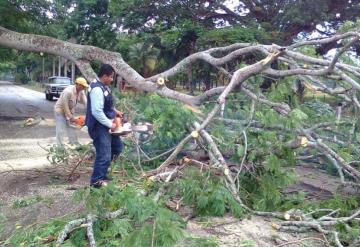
123	127
126	128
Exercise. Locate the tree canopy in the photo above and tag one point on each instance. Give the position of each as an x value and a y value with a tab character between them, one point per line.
284	19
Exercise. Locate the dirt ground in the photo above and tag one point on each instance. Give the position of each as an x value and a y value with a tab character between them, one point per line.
22	153
28	197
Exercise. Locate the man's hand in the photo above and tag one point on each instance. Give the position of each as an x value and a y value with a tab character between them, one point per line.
71	120
113	127
119	113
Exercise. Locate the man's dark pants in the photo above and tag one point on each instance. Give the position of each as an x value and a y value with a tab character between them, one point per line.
107	147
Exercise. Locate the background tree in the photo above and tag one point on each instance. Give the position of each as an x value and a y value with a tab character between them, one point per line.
25	16
89	22
285	20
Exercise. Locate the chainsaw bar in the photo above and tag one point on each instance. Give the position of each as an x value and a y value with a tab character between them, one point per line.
141	127
128	128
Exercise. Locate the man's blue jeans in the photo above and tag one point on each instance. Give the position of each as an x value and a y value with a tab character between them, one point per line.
107	147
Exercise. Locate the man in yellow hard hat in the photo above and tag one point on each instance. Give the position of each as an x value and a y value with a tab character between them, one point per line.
65	108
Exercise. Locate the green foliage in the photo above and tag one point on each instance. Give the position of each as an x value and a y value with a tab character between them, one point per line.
265	152
265	189
23	15
198	242
143	57
92	22
268	118
281	90
280	21
308	50
346	205
28	67
294	200
78	238
296	118
231	35
207	194
172	36
123	44
144	222
165	230
21	78
36	236
318	108
61	155
170	119
350	26
89	23
26	202
57	155
117	228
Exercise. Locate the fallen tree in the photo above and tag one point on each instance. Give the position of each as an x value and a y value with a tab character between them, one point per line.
292	129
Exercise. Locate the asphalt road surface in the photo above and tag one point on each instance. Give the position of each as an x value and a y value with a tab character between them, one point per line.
18	103
23	147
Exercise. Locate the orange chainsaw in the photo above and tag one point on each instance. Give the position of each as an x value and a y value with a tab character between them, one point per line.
122	126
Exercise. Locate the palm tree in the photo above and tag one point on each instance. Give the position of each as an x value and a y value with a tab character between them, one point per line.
144	57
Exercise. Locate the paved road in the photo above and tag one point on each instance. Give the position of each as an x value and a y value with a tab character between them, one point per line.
18	102
21	147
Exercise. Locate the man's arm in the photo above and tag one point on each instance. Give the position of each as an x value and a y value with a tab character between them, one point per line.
97	107
65	101
83	98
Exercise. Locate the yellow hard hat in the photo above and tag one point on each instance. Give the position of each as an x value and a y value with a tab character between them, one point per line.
81	81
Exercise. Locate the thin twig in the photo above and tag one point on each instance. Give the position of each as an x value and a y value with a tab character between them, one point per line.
153	233
160	155
242	161
78	163
138	152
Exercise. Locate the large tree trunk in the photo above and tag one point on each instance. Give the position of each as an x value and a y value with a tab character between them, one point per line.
81	55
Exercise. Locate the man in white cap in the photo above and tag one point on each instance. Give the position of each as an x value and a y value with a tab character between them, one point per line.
65	108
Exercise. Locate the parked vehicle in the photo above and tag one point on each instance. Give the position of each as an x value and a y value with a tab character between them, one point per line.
55	86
